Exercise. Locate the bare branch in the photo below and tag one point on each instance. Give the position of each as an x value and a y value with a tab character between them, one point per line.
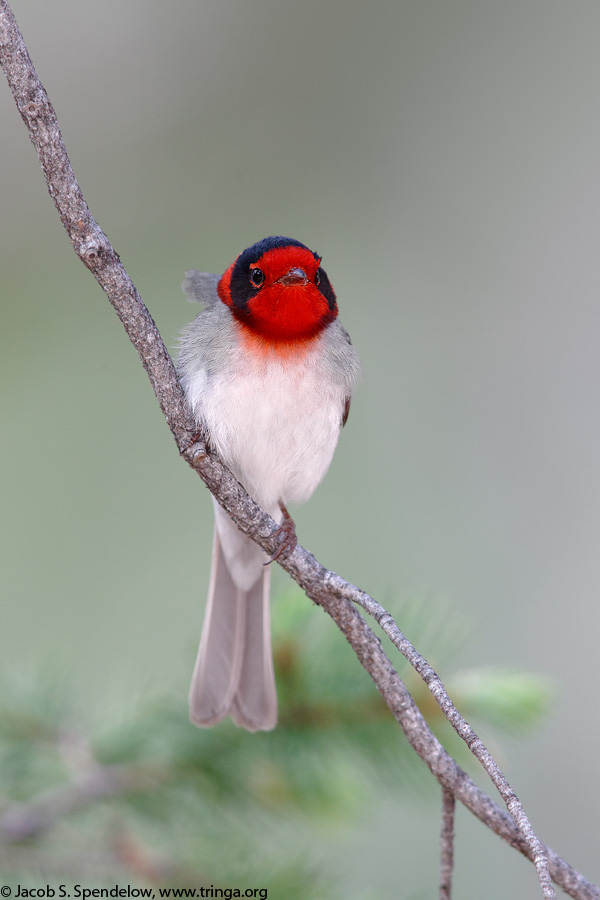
88	240
335	595
447	845
464	730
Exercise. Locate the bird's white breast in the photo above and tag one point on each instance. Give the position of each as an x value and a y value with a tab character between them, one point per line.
274	420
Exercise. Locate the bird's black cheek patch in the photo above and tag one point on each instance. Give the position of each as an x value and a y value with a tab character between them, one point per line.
240	287
325	287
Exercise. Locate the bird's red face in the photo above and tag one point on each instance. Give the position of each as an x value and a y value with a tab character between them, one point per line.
278	291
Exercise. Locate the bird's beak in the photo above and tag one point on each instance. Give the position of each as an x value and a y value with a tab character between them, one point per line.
294	276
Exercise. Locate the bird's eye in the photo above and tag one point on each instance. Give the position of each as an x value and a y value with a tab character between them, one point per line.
257	276
317	277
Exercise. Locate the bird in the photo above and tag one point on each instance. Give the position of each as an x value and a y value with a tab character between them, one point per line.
268	372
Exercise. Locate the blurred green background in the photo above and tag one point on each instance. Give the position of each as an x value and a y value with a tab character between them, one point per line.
443	159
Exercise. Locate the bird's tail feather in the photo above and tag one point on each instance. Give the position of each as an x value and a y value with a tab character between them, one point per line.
234	668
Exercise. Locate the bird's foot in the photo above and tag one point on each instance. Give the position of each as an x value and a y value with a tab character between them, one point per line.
287	534
198	440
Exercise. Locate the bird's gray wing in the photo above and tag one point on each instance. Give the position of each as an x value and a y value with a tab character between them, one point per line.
201	287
